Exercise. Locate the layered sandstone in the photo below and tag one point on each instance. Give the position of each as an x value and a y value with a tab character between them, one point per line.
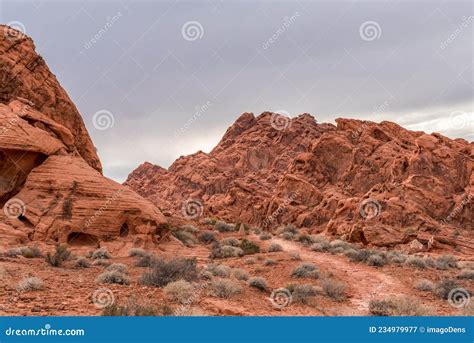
379	184
51	186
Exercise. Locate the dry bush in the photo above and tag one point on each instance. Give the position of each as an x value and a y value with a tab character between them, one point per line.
224	227
258	282
295	255
302	293
28	252
101	253
163	272
113	277
274	247
376	261
190	228
249	247
443	288
225	288
82	262
269	262
396	257
334	289
219	270
265	236
306	270
231	241
145	261
416	262
135	308
320	246
250	261
61	254
137	252
240	274
424	285
446	262
119	267
207	237
184	237
401	306
467	274
30	284
180	291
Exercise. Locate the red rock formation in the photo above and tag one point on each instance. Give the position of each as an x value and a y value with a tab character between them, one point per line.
51	186
375	183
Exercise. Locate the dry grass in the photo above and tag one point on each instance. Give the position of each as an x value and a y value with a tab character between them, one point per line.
30	284
401	306
225	288
180	291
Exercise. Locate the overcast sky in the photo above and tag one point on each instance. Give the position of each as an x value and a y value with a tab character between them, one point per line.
166	78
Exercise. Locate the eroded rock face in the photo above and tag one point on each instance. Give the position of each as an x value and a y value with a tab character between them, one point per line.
51	186
378	184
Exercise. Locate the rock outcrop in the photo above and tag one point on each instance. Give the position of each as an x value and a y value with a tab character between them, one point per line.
378	184
51	186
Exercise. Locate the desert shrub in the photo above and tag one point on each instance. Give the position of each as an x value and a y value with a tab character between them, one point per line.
320	246
210	221
184	237
401	306
220	270
334	289
218	251
445	262
274	247
250	261
288	236
224	227
240	274
257	230
258	282
207	237
100	253
269	262
82	262
163	272
225	288
467	274
265	236
145	261
396	257
14	252
190	228
307	270
338	250
101	262
290	228
180	291
61	254
443	288
295	255
30	252
361	255
304	239
113	276
30	284
319	239
137	252
249	247
424	285
376	261
351	253
430	263
303	293
231	241
119	267
135	308
416	262
338	243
